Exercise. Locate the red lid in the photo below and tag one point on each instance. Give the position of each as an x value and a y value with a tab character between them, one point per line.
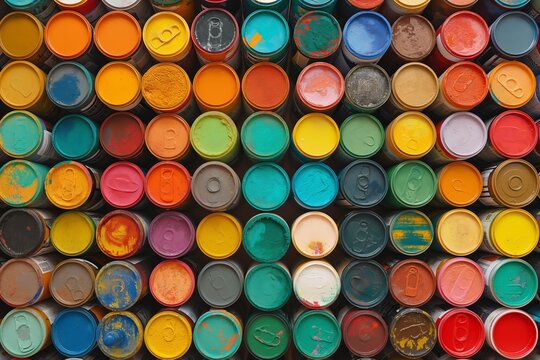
320	86
168	184
461	333
364	332
464	35
537	148
365	4
514	334
122	185
513	134
412	282
122	135
460	281
465	85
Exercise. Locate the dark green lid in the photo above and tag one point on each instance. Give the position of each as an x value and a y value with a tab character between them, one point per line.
267	335
268	287
363	234
317	35
266	186
266	237
364	283
316	334
363	183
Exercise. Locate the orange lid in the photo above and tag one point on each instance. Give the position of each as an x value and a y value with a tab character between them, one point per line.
216	85
460	183
68	35
265	86
464	85
172	283
167	137
511	84
107	39
166	87
168	184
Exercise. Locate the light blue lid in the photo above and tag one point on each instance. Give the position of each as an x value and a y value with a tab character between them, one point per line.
367	35
266	186
74	332
23	4
75	137
515	34
265	32
70	85
315	186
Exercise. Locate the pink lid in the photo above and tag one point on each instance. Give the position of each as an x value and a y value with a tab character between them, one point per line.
320	86
460	281
122	185
171	234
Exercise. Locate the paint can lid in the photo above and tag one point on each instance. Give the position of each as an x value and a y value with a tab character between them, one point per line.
416	175
168	335
362	135
412	283
513	134
220	283
454	321
70	85
74	332
168	184
460	183
265	33
215	186
515	34
118	84
30	87
171	234
315	186
320	86
16	293
464	34
213	135
30	173
22	232
317	35
268	287
75	137
267	335
68	185
106	36
518	87
329	336
219	235
363	183
209	338
320	294
408	143
363	234
122	135
367	35
166	87
316	136
73	233
364	332
118	285
417	47
120	334
411	232
265	86
35	326
68	35
460	281
16	47
122	185
216	85
464	85
266	186
514	183
265	136
514	283
514	334
172	283
459	232
176	42
167	137
120	234
415	86
215	31
364	283
21	134
266	237
462	134
405	338
72	284
314	234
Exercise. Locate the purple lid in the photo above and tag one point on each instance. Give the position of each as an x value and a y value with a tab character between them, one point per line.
171	234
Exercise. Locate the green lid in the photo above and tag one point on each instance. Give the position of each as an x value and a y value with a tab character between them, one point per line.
266	237
514	283
217	335
412	184
75	137
267	336
268	287
21	133
265	137
363	234
362	136
214	136
316	334
266	186
23	333
364	283
411	232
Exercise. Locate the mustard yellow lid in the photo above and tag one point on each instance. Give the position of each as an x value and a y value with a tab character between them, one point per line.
168	335
22	84
21	35
415	86
219	235
459	232
68	185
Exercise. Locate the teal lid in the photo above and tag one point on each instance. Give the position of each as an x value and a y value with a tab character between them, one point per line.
70	86
21	133
22	182
317	34
364	283
363	183
412	183
265	136
75	137
514	283
316	3
265	32
217	335
266	237
362	135
268	287
316	334
23	332
266	186
411	232
515	34
23	4
315	186
267	336
120	335
512	4
363	234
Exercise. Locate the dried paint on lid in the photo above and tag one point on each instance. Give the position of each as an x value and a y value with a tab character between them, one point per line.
514	283
327	340
364	332
413	37
122	185
265	86
513	134
120	334
511	84
172	283
266	237
261	332
363	234
120	234
220	283
268	287
317	35
21	182
460	183
464	85
514	183
367	87
461	320
167	137
106	36
464	34
68	35
364	283
459	232
168	335
69	184
411	232
460	281
23	232
412	283
213	135
362	135
168	184
72	282
21	35
166	87
265	33
118	84
22	282
320	294
375	31
413	333
70	86
217	335
314	234
315	185
320	86
462	134
29	88
265	136
219	235
415	86
266	186
119	285
215	186
122	135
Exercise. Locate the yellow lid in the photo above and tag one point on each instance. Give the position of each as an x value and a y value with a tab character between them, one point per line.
118	84
412	134
73	233
219	235
412	4
460	232
415	86
168	335
21	35
22	84
68	185
166	87
514	232
166	34
316	135
511	84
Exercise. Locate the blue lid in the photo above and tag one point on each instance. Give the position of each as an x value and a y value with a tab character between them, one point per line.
315	186
75	137
363	183
512	4
118	285
70	85
74	332
22	4
265	32
266	186
367	35
515	34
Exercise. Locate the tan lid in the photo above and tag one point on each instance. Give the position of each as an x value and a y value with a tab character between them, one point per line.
72	282
21	282
514	183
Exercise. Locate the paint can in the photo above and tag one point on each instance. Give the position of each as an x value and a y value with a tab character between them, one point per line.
72	282
118	86
410	232
171	235
460	136
22	184
412	282
439	10
458	232
533	107
265	137
130	49
315	137
315	186
24	135
265	87
35	322
214	137
513	183
317	37
22	38
314	234
459	184
490	10
361	136
412	184
73	233
512	283
122	136
460	281
316	334
41	9
301	7
268	287
268	335
78	343
348	8
266	186
120	334
168	185
29	92
319	89
168	334
364	283
172	283
266	237
362	184
91	9
232	6
218	334
219	235
25	282
25	232
123	185
220	283
216	37
141	10
463	36
316	284
393	9
413	333
216	187
167	137
363	234
509	232
532	60
186	9
265	36
121	284
364	332
121	234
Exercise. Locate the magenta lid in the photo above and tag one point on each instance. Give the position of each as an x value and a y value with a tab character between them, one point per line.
171	234
122	185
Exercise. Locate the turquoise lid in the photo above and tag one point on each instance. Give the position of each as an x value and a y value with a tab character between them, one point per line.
316	3
268	287
118	285
316	334
514	283
266	186
364	283
362	135
75	137
23	332
515	34
315	186
217	335
74	343
363	183
267	336
21	133
70	85
265	32
120	335
23	4
266	237
265	137
363	234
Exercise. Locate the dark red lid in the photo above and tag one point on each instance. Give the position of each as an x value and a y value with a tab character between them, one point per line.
122	135
461	333
364	332
514	334
513	134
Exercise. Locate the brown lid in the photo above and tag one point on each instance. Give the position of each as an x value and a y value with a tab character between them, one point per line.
413	37
412	282
21	282
72	282
364	332
514	183
215	186
413	333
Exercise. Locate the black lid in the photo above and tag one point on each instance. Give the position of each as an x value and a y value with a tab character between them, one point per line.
22	232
